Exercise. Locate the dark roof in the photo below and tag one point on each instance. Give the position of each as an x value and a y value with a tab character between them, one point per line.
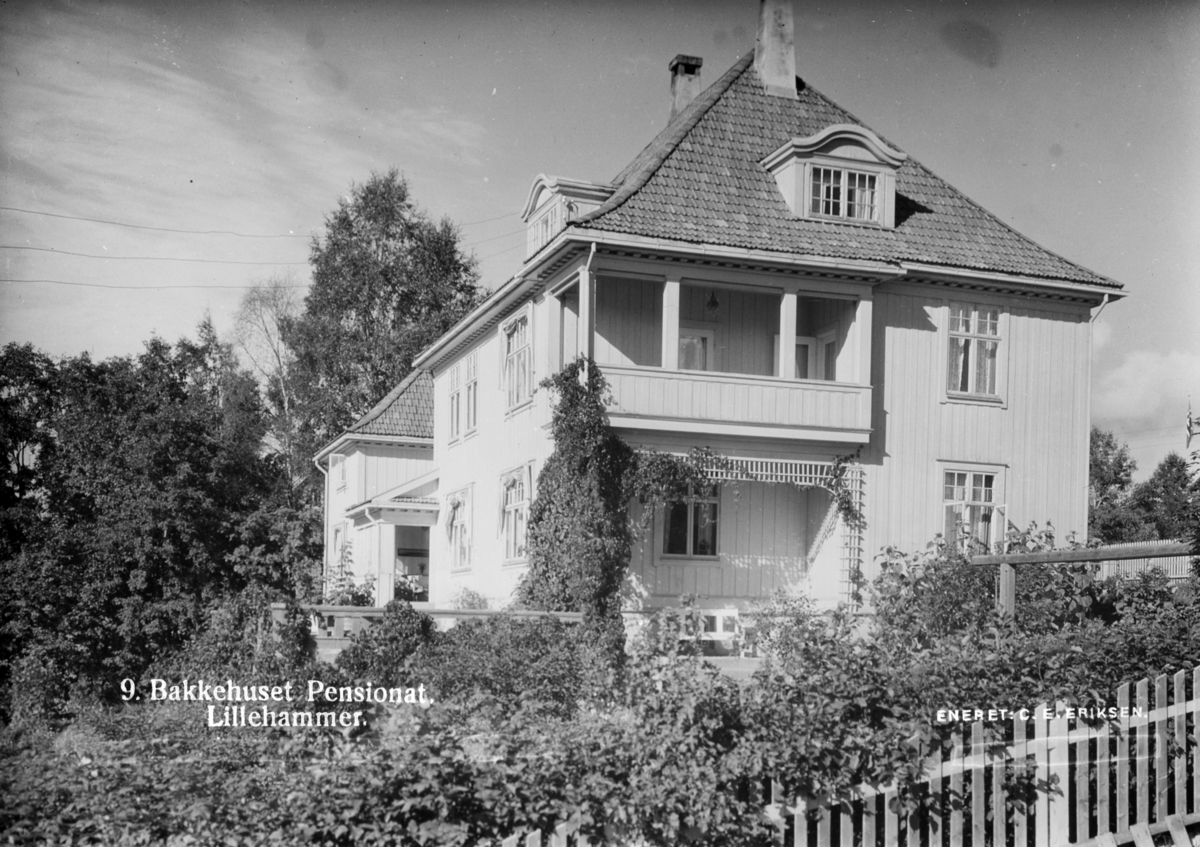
407	410
700	181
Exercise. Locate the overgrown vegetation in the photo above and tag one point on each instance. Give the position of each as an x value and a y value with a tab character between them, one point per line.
512	741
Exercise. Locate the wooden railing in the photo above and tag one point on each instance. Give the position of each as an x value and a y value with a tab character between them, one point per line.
1006	599
723	398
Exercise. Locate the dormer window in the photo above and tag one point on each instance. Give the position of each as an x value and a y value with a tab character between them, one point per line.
845	172
553	203
839	193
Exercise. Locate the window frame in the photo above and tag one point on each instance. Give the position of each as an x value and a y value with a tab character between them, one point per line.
510	361
514	514
996	505
844	171
471	394
815	362
458	530
1002	336
337	468
692	502
454	406
693	329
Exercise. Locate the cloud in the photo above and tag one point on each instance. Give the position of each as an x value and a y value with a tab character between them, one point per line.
1147	385
973	41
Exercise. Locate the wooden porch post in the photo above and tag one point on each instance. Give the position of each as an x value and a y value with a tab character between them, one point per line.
787	334
670	325
587	312
862	342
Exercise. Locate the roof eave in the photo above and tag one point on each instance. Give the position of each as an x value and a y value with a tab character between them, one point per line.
953	274
347	438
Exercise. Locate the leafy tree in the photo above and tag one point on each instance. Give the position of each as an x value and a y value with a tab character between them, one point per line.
1111	518
1163	500
145	490
387	282
27	393
258	330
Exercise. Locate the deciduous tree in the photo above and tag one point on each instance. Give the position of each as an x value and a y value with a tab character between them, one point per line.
387	281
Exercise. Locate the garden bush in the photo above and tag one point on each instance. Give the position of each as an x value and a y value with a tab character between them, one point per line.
531	663
673	753
380	652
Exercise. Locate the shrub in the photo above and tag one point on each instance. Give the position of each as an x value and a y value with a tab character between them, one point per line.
380	652
512	662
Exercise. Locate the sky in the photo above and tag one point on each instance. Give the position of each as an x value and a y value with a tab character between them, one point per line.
204	143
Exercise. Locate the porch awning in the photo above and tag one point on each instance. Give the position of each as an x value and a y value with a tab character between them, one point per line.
793	471
402	511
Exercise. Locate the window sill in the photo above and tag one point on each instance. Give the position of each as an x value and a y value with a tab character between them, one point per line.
836	219
515	563
520	407
974	399
681	559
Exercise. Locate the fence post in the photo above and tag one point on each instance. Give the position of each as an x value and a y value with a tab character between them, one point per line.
1006	601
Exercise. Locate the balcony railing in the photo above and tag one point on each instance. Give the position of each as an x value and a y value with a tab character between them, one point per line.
653	398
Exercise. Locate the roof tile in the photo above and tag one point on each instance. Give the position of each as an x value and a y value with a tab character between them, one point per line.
700	180
407	410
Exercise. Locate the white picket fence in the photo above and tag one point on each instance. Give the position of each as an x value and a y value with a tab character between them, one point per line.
1120	782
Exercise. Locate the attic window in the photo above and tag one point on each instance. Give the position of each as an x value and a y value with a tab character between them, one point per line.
839	193
844	172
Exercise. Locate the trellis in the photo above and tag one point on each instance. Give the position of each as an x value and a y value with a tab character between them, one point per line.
808	474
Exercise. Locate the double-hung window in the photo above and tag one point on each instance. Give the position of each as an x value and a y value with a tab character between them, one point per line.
515	515
842	193
974	349
337	468
471	393
458	523
691	525
969	500
517	361
455	404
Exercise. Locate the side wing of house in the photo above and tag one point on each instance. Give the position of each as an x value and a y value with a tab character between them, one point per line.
381	483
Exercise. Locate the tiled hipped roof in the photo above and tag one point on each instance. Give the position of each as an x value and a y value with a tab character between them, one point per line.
701	181
407	410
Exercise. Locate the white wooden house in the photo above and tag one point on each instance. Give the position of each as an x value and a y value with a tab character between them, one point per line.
773	280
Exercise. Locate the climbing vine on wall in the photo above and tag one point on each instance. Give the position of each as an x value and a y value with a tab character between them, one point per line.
580	527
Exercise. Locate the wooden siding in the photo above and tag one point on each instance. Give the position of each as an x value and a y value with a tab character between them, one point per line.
1037	435
763	539
693	395
504	439
384	468
628	322
745	325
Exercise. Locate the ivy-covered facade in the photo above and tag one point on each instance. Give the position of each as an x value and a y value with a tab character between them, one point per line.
852	354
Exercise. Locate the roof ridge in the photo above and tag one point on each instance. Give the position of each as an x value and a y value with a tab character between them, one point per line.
391	397
670	136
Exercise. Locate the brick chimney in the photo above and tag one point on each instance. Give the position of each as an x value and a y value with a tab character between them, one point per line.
775	50
685	81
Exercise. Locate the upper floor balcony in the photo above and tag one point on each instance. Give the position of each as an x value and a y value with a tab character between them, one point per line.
790	361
